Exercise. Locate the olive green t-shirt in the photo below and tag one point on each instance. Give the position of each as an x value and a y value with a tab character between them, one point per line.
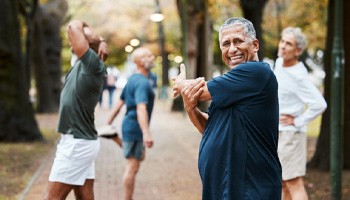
79	96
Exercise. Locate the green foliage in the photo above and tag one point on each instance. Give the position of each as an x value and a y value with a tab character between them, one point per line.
313	129
117	56
217	52
120	21
309	15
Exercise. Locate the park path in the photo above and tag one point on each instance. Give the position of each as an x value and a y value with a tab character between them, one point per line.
169	171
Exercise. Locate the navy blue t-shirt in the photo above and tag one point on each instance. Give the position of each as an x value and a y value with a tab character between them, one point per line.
137	90
238	153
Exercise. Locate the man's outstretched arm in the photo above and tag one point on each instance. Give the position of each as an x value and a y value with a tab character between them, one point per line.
192	91
115	111
190	95
180	82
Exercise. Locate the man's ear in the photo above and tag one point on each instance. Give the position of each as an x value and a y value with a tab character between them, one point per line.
298	52
143	61
256	45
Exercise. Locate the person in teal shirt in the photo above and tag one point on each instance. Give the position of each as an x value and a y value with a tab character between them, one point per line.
138	96
74	164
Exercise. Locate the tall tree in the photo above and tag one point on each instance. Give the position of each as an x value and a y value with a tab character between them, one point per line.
47	54
253	10
197	30
17	122
321	158
197	24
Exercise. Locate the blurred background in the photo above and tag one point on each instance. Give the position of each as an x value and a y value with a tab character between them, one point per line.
35	54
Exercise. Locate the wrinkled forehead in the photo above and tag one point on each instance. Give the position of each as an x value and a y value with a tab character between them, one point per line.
289	37
141	53
232	32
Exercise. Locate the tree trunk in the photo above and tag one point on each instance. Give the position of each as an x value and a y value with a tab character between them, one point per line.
47	54
321	158
205	53
197	31
253	11
17	122
192	42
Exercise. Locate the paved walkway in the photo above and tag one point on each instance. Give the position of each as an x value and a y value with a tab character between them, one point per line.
169	171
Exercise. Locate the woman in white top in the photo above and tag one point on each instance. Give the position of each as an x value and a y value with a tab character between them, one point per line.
299	103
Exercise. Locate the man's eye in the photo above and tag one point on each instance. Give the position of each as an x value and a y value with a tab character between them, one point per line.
237	42
226	44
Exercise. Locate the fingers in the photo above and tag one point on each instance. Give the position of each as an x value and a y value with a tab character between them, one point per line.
103	51
103	56
176	92
177	81
190	88
286	120
192	91
148	144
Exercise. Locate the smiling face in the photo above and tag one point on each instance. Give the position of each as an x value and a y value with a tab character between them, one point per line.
237	47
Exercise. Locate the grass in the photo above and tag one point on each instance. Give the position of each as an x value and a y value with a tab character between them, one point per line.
19	161
313	129
318	183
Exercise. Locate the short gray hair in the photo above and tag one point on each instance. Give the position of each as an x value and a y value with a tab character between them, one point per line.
299	36
247	25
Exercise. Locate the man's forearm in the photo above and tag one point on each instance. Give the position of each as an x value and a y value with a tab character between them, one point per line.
142	118
77	38
115	111
180	85
198	118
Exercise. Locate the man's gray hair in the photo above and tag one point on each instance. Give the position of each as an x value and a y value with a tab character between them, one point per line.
299	36
247	25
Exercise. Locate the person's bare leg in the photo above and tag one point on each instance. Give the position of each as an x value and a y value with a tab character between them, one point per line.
285	192
85	192
296	189
132	167
117	140
57	191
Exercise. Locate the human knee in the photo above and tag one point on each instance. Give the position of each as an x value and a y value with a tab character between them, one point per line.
132	171
294	184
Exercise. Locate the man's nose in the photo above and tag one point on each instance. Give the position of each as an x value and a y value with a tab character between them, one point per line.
282	44
233	47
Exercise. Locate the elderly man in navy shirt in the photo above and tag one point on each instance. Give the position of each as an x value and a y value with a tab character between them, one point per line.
238	153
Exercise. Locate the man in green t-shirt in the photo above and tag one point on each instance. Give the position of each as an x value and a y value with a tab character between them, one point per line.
74	164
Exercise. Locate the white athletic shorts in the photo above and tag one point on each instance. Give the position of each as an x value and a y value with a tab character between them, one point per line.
292	152
74	161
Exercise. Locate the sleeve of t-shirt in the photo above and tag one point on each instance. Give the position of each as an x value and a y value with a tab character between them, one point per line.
92	63
141	93
239	83
314	100
122	95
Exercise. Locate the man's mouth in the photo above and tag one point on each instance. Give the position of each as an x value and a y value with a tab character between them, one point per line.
233	58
